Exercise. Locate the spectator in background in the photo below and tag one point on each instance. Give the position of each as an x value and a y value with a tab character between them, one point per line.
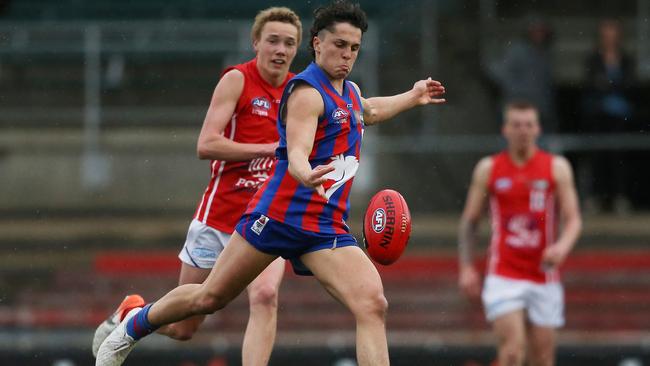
607	108
525	72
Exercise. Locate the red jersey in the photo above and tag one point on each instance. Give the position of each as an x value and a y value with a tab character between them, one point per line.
523	213
233	183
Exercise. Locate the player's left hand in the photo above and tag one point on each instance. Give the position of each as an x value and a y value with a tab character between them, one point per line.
429	91
553	256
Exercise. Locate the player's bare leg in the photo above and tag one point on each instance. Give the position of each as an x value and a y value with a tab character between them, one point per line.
262	322
237	266
541	346
351	278
510	330
185	329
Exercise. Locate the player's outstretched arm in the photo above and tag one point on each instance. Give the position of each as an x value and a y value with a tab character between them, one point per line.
424	92
468	280
567	198
303	108
212	144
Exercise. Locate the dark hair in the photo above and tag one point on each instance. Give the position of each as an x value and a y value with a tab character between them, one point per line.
339	11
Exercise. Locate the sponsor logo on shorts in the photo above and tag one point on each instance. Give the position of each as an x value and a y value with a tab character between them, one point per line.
203	253
259	224
379	220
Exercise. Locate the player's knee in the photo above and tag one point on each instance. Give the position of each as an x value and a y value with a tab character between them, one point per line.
208	303
513	353
542	358
263	296
182	332
373	304
183	336
380	305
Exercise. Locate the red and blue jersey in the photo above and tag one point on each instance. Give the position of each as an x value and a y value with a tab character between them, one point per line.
337	142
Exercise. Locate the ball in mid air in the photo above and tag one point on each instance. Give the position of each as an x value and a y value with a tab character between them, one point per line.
386	226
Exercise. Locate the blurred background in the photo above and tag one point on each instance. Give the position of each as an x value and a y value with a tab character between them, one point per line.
101	103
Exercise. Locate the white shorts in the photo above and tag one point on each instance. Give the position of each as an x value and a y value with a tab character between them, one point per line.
203	245
544	303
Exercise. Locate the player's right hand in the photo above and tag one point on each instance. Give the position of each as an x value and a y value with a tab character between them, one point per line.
315	178
554	255
270	148
469	282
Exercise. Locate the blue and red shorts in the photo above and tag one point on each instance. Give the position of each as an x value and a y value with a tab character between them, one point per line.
277	238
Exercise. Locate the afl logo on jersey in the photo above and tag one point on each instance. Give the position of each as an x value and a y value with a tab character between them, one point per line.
261	106
340	115
379	220
503	184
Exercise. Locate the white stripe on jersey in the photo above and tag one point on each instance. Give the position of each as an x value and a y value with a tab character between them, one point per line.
207	189
233	126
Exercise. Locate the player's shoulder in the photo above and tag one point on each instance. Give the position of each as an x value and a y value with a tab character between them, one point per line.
304	88
559	159
483	168
306	96
355	86
233	77
231	85
561	166
485	163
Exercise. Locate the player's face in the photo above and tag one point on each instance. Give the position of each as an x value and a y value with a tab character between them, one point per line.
337	51
521	127
276	47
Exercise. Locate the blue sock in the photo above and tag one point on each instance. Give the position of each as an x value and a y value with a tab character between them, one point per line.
138	326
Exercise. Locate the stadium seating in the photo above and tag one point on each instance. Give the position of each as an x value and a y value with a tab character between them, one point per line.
421	290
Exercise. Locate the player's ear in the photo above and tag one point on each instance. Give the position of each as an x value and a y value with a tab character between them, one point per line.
255	44
316	43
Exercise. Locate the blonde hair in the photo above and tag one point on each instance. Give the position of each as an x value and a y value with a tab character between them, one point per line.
275	14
